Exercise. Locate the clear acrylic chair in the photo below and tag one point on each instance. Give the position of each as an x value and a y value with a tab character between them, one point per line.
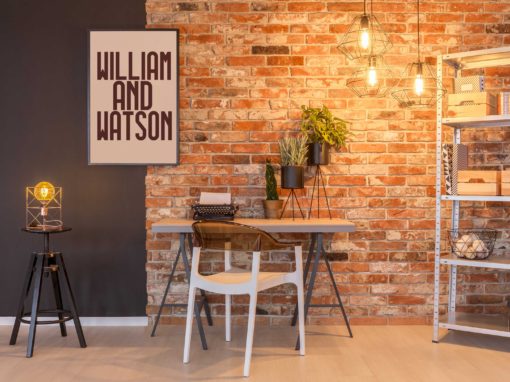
231	237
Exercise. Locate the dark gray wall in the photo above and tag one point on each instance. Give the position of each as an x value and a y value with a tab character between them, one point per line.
43	74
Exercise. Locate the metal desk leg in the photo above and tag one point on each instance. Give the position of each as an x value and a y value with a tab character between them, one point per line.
305	275
312	278
196	310
336	292
153	333
203	303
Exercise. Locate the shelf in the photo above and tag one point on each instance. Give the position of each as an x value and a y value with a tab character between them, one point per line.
496	325
485	58
495	262
476	198
486	121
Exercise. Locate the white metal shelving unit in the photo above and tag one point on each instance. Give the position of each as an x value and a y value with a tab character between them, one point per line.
476	323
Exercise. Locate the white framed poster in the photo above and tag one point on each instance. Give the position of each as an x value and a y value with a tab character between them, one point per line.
133	97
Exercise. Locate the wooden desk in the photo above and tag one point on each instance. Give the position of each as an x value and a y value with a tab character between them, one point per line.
170	225
315	227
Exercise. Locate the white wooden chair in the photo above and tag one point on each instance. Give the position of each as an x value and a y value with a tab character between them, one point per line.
231	237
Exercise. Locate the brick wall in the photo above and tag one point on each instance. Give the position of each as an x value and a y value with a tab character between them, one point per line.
246	68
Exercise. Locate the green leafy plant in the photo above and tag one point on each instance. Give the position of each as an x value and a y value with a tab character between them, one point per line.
271	193
293	150
320	126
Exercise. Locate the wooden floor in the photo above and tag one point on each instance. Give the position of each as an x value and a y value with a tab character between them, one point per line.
384	353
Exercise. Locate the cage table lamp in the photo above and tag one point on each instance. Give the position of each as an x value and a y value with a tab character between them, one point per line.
43	206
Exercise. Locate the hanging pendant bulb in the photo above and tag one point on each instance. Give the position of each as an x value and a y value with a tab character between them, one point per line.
376	79
418	85
372	72
365	37
364	33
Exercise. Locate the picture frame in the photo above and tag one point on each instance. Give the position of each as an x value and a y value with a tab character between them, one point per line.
133	97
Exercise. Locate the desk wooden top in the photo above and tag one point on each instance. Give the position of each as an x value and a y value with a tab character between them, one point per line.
170	225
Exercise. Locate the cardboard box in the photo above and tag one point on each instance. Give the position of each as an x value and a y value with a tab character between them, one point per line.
472	104
484	183
505	182
504	103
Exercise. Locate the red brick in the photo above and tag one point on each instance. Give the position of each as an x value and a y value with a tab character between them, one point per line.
231	7
406	300
246	61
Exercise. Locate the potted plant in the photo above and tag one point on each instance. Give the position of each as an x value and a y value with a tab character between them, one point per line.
323	130
272	204
293	155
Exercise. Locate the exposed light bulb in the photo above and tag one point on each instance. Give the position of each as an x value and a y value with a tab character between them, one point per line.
418	85
372	76
44	192
364	33
364	40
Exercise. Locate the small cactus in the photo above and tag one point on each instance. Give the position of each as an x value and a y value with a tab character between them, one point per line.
271	193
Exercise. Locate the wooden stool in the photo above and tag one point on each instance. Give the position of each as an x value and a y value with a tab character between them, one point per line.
50	264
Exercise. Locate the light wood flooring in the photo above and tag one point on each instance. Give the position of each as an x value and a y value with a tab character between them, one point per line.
376	353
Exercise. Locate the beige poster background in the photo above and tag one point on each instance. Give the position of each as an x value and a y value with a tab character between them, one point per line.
165	97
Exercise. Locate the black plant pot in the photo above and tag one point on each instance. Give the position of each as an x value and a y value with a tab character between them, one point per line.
318	154
293	177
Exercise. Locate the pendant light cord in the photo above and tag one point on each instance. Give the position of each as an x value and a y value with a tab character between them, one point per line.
365	7
418	27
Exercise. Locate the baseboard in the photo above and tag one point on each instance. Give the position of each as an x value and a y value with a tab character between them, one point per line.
96	321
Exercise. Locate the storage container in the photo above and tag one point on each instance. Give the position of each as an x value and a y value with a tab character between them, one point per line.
469	84
504	103
505	182
484	183
472	104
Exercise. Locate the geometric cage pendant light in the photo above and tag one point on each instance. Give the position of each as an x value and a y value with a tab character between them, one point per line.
375	79
418	86
365	37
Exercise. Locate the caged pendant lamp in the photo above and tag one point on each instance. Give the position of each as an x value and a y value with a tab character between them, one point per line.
376	79
365	37
418	86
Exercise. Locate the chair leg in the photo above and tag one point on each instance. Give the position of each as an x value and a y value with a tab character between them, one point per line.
228	317
189	323
249	335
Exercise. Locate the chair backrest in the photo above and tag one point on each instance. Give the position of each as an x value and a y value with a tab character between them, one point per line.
220	235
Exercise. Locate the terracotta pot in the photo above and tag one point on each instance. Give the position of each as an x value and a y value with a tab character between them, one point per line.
318	154
293	177
273	208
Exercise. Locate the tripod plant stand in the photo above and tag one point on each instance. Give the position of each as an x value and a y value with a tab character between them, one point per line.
318	181
293	197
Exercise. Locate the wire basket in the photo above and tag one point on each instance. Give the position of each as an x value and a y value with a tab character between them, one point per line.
472	244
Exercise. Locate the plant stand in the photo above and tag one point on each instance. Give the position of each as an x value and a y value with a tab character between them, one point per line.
318	181
293	197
